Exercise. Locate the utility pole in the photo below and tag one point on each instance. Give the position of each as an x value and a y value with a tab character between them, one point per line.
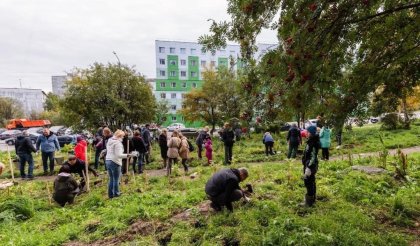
115	53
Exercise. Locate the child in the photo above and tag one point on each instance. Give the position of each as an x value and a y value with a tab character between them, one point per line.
209	149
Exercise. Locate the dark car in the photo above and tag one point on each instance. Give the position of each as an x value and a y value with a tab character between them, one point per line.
10	134
58	130
32	136
66	139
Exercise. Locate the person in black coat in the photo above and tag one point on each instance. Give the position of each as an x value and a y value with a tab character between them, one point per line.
24	149
147	138
228	138
78	166
163	144
200	141
140	147
65	187
310	165
293	139
223	188
128	147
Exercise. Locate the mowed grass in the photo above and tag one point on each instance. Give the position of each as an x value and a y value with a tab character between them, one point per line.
353	208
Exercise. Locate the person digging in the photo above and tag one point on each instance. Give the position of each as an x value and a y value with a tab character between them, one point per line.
223	188
78	166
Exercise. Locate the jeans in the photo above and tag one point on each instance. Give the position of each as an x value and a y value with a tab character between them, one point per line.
269	148
114	172
325	153
97	154
45	157
228	154
292	150
138	161
222	199
23	159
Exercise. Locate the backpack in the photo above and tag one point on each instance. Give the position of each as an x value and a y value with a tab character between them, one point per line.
190	146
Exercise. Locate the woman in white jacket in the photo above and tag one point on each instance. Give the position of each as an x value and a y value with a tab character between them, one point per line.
113	161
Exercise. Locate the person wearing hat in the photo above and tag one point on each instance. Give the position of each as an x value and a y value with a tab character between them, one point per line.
223	188
24	149
310	165
80	148
79	166
65	187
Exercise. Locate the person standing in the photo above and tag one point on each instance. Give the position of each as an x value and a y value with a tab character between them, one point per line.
98	145
174	144
163	144
228	138
208	145
325	138
113	161
268	141
80	148
147	138
24	149
65	187
184	152
310	165
140	147
200	141
48	143
294	138
107	134
128	147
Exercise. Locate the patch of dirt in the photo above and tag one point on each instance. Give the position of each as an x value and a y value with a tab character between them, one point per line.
369	169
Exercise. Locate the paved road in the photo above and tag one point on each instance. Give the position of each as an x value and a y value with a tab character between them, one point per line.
3	146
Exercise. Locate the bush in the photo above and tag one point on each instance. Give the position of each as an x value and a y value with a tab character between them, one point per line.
21	208
390	121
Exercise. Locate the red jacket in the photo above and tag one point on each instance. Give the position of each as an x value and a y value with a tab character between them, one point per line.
80	150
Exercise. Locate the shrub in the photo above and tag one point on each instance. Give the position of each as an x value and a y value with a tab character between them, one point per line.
20	207
390	121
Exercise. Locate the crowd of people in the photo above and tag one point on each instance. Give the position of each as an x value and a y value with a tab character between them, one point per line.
117	150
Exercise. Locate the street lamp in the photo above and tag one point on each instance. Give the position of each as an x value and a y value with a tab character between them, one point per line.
115	53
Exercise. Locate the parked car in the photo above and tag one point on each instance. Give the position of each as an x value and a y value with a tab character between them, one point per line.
374	120
58	130
37	130
9	134
66	139
176	126
32	136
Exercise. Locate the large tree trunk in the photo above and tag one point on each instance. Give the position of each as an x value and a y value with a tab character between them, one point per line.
406	124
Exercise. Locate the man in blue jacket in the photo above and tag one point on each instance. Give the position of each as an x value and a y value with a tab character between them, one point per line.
49	144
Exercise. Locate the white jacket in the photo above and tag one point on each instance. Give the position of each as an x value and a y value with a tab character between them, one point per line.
115	150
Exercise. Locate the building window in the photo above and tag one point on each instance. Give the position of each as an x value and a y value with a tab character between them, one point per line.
194	85
161	49
173	118
213	63
203	63
232	53
172	73
172	50
183	62
172	62
193	63
162	61
173	107
183	74
173	84
193	51
162	73
182	50
193	74
173	95
163	95
184	85
162	84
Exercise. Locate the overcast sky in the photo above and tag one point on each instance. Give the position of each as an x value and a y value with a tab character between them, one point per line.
41	38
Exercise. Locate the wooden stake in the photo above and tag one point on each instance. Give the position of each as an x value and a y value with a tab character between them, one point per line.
11	164
128	158
87	171
49	193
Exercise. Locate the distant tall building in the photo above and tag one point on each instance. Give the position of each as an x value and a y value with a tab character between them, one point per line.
32	100
179	67
59	84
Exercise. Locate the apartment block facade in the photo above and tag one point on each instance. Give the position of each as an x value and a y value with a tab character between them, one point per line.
179	67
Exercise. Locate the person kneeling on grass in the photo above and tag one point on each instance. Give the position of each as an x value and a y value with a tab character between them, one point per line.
78	166
223	188
65	187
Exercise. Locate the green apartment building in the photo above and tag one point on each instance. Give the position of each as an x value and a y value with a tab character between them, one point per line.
179	67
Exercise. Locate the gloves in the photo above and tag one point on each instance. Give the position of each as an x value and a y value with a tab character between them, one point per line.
307	172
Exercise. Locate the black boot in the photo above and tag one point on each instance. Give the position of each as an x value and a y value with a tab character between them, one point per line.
309	201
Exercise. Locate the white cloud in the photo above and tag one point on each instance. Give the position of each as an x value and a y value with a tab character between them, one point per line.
48	37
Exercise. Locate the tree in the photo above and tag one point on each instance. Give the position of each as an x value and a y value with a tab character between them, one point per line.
112	94
9	109
331	54
217	101
162	110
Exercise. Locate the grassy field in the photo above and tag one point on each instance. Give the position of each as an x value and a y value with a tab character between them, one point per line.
353	208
